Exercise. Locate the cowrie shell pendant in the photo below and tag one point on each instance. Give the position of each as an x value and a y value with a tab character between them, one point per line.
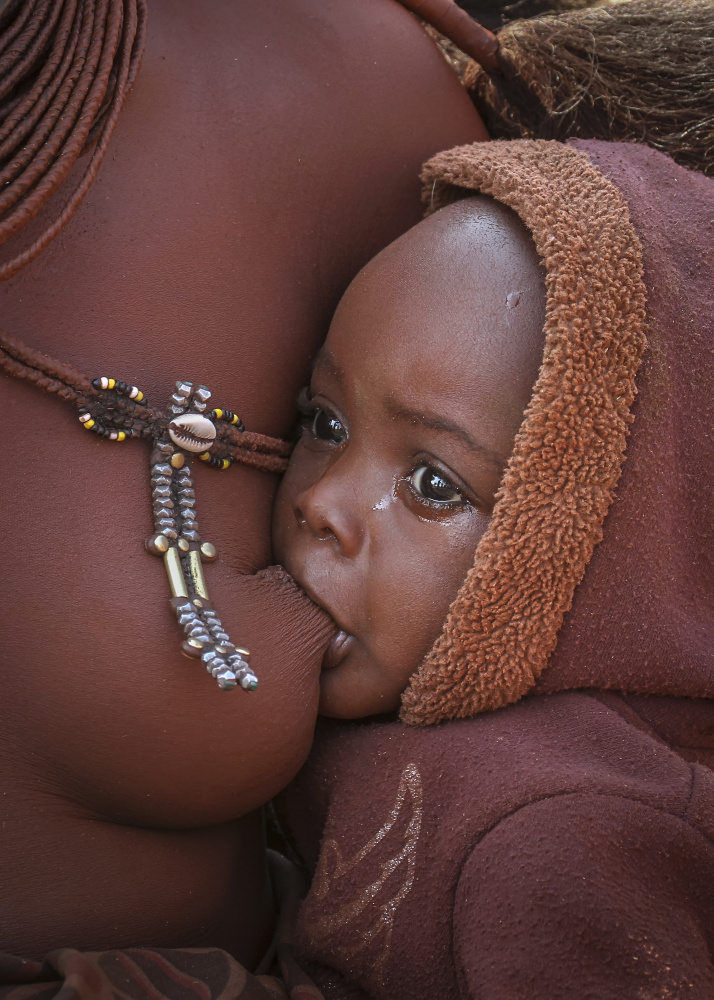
192	432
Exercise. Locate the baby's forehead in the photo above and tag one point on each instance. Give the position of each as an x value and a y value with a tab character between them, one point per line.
474	260
462	290
467	253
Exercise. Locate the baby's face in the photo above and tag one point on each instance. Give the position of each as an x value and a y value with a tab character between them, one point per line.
413	408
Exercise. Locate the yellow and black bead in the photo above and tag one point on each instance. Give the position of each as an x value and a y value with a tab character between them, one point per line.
214	461
229	416
123	388
89	423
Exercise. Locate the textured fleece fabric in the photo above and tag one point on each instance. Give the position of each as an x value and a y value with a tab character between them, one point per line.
557	849
561	478
642	619
560	846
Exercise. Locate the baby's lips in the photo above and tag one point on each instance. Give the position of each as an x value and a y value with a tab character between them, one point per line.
337	650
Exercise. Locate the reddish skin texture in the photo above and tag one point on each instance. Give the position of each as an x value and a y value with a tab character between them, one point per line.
447	322
224	225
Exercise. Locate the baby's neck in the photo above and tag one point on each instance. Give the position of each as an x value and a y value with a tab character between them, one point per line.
74	880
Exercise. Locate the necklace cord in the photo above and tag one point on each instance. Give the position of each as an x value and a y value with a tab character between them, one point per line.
259	451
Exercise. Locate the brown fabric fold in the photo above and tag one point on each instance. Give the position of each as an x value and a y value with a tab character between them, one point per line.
560	482
170	973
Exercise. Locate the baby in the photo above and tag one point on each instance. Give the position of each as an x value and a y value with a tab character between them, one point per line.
504	502
409	421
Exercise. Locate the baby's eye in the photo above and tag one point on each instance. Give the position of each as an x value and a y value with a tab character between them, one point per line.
326	427
435	487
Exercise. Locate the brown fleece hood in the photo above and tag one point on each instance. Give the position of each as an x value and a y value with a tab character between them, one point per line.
597	570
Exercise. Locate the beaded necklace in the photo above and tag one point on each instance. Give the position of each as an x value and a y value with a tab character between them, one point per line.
117	411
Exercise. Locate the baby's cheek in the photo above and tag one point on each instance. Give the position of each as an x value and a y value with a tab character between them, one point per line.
302	472
406	607
431	575
422	578
283	519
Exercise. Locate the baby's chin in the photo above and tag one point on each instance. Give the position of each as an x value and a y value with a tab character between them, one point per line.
354	687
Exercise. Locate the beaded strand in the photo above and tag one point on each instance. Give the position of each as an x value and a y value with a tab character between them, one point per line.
118	411
178	541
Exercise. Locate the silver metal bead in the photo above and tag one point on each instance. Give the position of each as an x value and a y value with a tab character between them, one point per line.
237	663
226	680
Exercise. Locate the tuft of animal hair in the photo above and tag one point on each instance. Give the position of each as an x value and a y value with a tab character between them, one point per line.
639	71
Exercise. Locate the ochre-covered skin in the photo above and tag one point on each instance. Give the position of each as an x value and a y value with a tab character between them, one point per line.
267	151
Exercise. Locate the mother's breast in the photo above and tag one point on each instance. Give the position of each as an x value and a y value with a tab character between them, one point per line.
265	153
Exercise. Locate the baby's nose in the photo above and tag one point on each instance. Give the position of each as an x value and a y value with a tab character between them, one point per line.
328	512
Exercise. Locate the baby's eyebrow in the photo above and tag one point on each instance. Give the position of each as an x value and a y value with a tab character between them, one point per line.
325	361
437	423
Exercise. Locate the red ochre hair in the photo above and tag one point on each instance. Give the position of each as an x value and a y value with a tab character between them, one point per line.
560	481
66	67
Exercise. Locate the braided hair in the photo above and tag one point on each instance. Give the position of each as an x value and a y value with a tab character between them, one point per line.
66	67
